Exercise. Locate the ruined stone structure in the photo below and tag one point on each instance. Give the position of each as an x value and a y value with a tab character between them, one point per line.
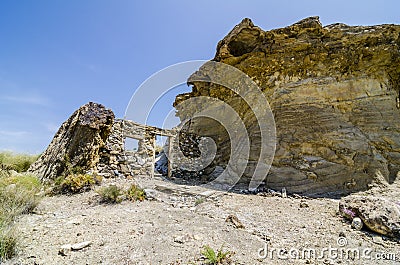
91	140
115	160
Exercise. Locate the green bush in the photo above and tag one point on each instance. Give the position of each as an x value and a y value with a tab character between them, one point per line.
110	194
114	194
17	162
215	258
199	201
134	193
75	183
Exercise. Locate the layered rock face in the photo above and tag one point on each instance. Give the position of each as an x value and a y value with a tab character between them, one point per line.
78	143
334	92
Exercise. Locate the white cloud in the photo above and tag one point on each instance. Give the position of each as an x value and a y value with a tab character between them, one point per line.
14	133
31	99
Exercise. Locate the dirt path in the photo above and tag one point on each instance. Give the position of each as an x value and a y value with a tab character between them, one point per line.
173	229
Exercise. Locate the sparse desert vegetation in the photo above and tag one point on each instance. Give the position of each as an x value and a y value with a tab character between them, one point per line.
16	162
134	193
110	194
19	194
216	257
75	183
115	194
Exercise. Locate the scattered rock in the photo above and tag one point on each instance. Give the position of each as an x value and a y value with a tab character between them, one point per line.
296	196
378	240
81	245
75	221
235	221
64	249
151	194
378	214
208	193
357	224
304	204
182	238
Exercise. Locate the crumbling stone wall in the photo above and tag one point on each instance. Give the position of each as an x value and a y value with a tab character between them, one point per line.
141	161
189	157
116	161
112	158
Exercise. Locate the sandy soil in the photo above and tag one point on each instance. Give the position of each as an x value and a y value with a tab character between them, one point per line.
174	227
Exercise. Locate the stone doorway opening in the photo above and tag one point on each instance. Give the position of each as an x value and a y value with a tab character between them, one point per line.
146	149
161	164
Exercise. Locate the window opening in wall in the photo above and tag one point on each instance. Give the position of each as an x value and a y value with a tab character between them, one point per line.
131	144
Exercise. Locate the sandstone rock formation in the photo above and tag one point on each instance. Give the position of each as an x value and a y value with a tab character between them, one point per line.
378	214
77	144
334	92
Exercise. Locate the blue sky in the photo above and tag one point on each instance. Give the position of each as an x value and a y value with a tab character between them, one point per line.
57	55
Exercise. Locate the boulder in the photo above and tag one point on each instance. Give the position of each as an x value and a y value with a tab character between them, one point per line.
334	92
378	214
77	144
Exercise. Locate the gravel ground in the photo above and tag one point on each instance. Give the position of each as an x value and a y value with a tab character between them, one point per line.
174	226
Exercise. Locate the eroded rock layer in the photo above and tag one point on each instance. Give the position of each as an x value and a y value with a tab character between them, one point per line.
334	92
77	144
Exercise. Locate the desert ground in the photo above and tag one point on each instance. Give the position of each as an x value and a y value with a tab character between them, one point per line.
175	222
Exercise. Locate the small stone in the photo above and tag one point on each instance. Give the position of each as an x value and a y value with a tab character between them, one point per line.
378	240
64	249
140	161
179	239
234	220
296	196
357	223
183	238
197	237
304	204
208	193
150	194
312	175
74	222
